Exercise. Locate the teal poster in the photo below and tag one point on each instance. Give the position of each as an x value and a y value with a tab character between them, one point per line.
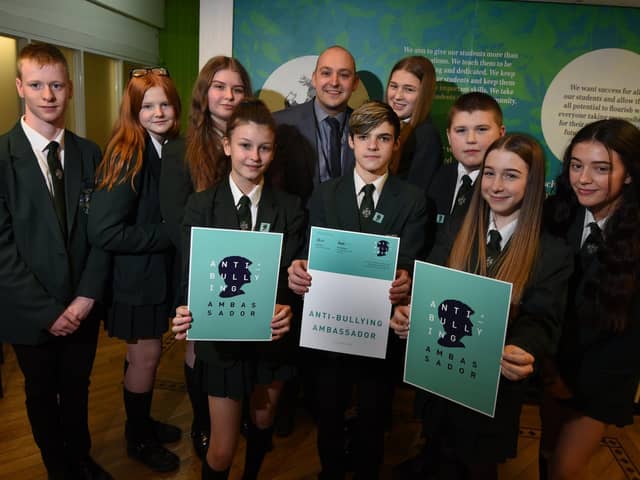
456	335
233	280
552	67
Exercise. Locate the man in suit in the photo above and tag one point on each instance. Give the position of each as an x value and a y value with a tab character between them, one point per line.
50	277
312	137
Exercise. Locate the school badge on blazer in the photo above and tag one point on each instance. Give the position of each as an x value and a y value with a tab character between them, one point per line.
85	199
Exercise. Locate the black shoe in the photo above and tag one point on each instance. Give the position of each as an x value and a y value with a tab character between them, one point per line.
153	455
200	441
165	433
88	469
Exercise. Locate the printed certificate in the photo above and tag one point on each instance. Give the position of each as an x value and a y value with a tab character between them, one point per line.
347	308
456	336
233	281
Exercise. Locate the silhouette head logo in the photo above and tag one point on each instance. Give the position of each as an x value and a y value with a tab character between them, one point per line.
455	317
234	271
383	248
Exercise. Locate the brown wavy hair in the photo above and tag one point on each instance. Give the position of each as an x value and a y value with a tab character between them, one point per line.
616	282
123	157
516	265
204	155
423	70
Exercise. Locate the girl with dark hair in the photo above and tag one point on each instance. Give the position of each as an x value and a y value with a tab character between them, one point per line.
592	379
222	83
125	220
231	371
410	91
500	237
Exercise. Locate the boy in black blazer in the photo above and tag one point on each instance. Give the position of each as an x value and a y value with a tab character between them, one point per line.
474	123
50	277
391	207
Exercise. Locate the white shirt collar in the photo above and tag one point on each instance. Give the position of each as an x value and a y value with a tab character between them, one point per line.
463	171
378	183
506	232
157	145
589	218
254	195
38	141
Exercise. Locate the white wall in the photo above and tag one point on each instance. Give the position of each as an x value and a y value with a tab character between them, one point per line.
216	29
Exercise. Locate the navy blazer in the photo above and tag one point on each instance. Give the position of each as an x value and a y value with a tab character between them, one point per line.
40	271
295	166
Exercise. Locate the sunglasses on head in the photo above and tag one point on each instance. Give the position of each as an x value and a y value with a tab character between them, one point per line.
141	72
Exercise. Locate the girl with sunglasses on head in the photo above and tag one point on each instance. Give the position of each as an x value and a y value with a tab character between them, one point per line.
195	165
592	379
233	371
410	91
125	220
500	237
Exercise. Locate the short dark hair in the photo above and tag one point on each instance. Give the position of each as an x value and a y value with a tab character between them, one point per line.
473	101
370	115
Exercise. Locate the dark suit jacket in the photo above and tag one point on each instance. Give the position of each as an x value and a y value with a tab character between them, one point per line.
175	187
421	155
40	271
215	208
126	222
334	205
295	166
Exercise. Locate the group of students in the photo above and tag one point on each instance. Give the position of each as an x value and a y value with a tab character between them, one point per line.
573	260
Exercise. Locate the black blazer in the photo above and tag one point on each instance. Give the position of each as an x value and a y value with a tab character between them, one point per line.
421	155
601	367
215	208
126	222
334	205
175	187
295	166
40	271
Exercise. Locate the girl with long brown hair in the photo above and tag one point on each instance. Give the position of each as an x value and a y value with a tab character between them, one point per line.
195	166
410	91
501	238
593	377
125	221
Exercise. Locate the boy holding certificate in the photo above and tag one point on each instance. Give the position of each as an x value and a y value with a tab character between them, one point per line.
367	200
231	371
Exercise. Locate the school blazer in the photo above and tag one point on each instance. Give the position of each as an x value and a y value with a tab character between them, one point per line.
40	271
215	208
175	187
126	222
594	361
421	155
403	206
295	166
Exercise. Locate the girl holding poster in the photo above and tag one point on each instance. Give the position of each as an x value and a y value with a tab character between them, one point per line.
503	227
231	370
191	165
125	220
410	91
593	377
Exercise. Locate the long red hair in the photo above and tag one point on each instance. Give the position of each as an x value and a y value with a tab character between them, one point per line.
123	158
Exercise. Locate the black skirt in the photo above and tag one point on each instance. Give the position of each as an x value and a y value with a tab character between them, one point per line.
131	322
237	378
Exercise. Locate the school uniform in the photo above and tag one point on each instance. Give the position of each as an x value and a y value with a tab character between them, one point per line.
126	221
446	203
232	369
470	437
41	272
334	204
600	367
300	161
421	155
